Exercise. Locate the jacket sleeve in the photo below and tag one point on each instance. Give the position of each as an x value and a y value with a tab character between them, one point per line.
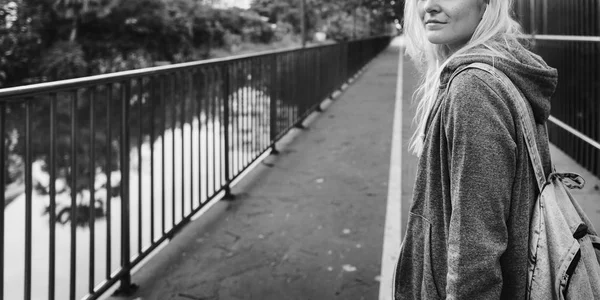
480	135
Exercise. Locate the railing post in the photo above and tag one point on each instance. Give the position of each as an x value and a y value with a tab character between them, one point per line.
226	96
126	288
532	7
273	104
2	198
301	107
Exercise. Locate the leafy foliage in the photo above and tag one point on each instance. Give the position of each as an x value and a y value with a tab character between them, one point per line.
340	19
64	59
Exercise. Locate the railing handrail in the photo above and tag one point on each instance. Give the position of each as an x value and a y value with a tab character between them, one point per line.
54	86
574	132
566	38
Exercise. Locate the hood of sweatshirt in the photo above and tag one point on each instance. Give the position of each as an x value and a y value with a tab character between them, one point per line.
528	71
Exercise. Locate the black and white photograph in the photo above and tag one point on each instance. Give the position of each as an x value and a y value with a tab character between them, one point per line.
300	149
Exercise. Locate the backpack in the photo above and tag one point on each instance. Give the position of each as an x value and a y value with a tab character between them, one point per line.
564	248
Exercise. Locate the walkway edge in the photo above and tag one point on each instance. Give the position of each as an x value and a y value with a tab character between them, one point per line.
393	222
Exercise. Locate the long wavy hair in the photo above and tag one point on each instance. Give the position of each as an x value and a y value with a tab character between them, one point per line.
497	21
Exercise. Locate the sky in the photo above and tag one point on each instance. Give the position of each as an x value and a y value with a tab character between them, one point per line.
238	3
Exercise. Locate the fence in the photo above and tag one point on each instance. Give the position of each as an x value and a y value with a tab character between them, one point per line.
567	35
100	171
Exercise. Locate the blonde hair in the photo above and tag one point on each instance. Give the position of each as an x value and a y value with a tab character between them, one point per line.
432	58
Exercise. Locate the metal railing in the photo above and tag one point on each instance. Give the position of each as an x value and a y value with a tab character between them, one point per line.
567	35
575	123
100	171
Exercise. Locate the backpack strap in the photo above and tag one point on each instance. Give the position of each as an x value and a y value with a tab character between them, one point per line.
524	118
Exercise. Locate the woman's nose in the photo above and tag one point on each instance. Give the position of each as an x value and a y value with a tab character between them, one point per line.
431	6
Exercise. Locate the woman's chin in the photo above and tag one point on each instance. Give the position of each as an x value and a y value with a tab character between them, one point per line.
436	38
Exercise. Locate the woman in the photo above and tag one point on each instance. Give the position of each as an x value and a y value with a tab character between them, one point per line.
468	229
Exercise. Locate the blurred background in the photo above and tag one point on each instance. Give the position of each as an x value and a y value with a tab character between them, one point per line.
45	40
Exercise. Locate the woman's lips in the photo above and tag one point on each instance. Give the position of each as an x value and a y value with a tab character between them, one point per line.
434	25
434	22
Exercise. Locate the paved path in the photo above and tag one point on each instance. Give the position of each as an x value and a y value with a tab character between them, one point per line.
309	223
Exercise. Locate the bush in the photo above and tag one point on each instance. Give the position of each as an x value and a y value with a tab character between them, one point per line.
134	60
64	60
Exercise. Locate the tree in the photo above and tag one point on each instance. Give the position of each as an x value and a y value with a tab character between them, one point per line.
20	40
331	16
75	10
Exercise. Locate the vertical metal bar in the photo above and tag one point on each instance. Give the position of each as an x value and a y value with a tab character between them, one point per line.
151	99
173	98
597	93
108	168
163	128
305	102
256	136
73	185
293	90
238	98
125	226
207	86
260	104
588	103
597	18
251	92
222	151
267	102
219	120
206	106
28	199
182	94
190	110
250	103
243	114
255	80
563	24
92	187
299	70
292	111
573	108
257	114
232	117
140	94
576	107
583	11
283	86
239	127
214	127
225	152
52	208
262	100
197	100
198	81
2	198
211	143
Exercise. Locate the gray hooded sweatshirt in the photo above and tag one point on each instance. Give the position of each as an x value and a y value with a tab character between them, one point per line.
468	227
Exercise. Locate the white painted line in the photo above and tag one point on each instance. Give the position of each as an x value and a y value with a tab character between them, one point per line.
393	227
